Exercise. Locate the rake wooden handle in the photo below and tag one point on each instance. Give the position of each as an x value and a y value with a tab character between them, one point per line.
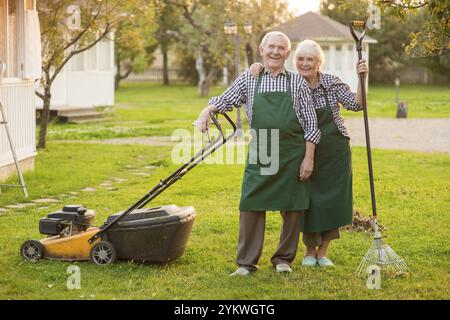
358	40
358	23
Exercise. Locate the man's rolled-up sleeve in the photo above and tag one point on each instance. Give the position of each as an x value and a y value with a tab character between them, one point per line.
234	96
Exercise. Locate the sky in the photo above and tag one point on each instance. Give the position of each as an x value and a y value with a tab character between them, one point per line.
302	6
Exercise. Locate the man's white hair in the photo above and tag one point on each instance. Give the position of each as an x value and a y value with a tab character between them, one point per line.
275	33
312	48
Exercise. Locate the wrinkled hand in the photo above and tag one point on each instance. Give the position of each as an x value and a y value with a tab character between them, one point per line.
306	169
361	67
203	121
255	69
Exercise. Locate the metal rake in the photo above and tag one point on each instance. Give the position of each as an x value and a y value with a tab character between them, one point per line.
379	254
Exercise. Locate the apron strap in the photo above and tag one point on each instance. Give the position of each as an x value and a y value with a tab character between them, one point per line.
258	83
325	93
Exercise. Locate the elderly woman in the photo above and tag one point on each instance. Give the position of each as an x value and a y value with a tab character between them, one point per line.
331	202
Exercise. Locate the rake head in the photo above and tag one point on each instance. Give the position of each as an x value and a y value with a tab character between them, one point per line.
381	255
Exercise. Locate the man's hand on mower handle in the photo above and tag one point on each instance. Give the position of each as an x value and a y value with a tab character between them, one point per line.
203	121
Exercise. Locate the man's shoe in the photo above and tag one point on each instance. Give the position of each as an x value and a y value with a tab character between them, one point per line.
325	262
283	267
309	261
241	271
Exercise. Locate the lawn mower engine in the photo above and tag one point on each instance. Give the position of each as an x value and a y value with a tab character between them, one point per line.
71	220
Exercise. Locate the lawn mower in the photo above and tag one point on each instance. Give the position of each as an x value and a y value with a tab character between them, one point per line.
158	234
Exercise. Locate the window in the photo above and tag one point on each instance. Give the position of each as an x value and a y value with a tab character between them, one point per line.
91	58
326	53
350	54
77	62
3	20
104	49
338	57
9	37
365	51
11	61
30	5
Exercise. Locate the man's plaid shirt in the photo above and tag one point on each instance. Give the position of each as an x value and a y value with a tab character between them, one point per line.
242	91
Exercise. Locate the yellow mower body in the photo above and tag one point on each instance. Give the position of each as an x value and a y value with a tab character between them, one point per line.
75	247
68	232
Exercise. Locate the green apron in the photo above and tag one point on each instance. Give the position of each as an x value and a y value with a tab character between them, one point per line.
282	190
331	203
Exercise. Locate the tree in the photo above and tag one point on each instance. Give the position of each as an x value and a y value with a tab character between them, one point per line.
203	38
434	37
168	17
134	41
391	54
68	29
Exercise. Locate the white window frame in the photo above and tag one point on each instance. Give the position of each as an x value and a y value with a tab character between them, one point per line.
4	21
107	43
82	57
86	57
350	56
326	48
21	6
338	56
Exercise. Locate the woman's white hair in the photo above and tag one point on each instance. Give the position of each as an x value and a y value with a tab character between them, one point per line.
275	33
310	47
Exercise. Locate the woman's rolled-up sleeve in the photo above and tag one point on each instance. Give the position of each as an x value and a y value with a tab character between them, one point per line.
234	96
308	115
345	96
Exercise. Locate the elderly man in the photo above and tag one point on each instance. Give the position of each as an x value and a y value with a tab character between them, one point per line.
277	102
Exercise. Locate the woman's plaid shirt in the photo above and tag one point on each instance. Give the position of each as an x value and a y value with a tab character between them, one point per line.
242	91
339	94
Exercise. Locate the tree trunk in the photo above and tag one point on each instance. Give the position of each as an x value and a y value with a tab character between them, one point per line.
117	76
165	65
249	53
116	82
209	81
202	85
45	118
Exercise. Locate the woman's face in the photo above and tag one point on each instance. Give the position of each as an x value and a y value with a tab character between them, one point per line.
307	64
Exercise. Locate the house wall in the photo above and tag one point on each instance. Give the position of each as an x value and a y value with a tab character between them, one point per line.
17	99
87	80
17	95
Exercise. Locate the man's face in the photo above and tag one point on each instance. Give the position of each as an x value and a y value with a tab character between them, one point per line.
275	52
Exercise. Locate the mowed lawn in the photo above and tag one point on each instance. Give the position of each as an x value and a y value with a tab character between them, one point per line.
413	204
144	109
414	208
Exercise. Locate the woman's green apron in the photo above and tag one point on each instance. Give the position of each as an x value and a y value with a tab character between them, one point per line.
281	190
331	203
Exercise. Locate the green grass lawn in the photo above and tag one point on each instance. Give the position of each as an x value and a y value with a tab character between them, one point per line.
145	109
412	197
423	101
413	202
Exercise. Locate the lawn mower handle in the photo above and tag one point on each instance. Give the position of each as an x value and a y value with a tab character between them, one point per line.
358	40
175	176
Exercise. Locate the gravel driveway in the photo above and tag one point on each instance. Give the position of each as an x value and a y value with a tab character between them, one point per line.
423	135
